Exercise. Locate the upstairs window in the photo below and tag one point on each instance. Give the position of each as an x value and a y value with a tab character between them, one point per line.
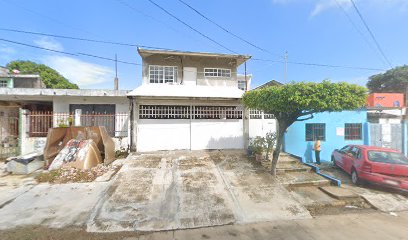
315	131
217	72
3	83
242	85
162	74
353	131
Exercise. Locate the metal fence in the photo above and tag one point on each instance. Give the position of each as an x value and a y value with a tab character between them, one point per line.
38	123
8	136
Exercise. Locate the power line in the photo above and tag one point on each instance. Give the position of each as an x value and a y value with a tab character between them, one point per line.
318	64
371	33
226	30
358	30
69	53
45	16
80	39
189	26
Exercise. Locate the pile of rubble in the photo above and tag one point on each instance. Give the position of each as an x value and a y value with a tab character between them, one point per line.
68	175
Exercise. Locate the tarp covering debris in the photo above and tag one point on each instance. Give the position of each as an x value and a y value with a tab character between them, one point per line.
58	138
25	164
80	154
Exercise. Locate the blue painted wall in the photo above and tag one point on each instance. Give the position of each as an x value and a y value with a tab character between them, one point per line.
295	138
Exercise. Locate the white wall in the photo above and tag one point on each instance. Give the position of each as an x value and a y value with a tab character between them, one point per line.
163	134
217	134
260	127
61	104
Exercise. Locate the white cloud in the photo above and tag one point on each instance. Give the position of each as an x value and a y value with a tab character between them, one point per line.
321	6
324	5
50	43
78	71
4	49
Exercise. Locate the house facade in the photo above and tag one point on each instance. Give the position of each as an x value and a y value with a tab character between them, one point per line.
35	110
334	129
188	100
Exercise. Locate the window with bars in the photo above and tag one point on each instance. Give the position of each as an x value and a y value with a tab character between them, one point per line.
217	72
3	83
162	74
217	112
353	131
255	114
164	112
315	131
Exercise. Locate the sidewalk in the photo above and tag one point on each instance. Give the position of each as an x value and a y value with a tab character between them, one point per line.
334	227
351	226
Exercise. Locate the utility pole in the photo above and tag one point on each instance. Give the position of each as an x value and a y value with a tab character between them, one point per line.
286	66
116	81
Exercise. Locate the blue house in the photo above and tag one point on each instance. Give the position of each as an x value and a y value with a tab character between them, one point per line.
335	130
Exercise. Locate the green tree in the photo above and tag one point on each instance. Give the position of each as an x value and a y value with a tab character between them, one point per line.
393	80
299	101
50	77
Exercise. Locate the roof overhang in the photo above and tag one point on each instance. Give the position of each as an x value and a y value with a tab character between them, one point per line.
186	91
239	58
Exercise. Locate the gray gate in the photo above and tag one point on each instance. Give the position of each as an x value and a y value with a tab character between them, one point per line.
386	135
8	136
376	135
396	137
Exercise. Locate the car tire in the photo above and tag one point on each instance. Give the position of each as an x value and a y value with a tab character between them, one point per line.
354	177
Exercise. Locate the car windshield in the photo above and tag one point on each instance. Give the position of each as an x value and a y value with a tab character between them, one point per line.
387	157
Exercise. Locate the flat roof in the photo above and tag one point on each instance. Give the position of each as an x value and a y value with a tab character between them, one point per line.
186	91
62	92
20	75
148	52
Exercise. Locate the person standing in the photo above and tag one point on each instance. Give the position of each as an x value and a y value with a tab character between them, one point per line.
317	149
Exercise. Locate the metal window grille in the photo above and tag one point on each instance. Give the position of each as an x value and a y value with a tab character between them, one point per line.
353	131
164	112
162	74
217	72
255	114
269	116
217	112
3	83
38	123
315	131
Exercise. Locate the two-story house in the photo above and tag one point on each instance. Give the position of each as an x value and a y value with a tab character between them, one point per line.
187	100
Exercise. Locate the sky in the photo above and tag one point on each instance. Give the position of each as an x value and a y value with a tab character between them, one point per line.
327	32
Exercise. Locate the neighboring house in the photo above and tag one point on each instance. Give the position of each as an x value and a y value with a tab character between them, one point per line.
40	109
386	100
188	100
337	129
16	80
268	84
334	130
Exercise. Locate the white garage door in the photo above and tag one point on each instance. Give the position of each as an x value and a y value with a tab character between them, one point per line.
171	128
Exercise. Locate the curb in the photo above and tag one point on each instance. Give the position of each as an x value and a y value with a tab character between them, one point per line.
317	170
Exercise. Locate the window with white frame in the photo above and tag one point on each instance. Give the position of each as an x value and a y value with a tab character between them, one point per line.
242	85
162	74
3	83
217	72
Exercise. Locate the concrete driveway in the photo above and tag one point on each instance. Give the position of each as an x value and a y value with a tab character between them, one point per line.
177	190
383	199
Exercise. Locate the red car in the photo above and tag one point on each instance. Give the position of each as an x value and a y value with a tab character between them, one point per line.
377	165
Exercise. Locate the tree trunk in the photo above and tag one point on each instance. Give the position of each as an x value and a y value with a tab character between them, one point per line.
281	132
